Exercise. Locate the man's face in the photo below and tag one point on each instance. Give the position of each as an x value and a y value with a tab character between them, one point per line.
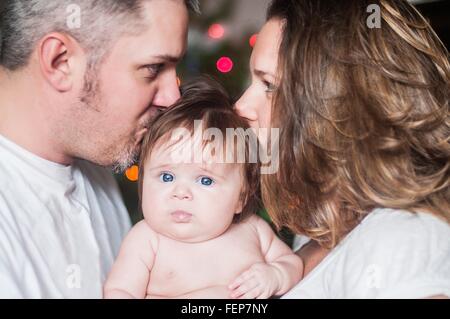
136	79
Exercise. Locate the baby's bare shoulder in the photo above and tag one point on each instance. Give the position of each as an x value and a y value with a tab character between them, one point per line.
143	234
263	230
257	225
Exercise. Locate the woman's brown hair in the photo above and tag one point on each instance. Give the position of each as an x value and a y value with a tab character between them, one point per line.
205	99
363	116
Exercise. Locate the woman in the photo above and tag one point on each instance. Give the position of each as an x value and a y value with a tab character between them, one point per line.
364	145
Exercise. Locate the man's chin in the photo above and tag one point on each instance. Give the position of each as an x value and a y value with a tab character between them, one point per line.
126	160
120	167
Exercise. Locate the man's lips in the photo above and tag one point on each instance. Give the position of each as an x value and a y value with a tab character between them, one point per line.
181	216
152	113
142	131
140	135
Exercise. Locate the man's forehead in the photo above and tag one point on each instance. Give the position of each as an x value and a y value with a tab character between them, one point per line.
156	13
163	32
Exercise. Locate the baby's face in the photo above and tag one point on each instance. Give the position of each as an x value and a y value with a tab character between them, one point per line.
189	201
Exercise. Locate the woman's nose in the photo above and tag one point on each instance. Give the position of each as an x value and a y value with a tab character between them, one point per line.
181	192
246	108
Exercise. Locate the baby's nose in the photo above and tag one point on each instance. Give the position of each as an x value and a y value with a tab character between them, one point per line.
182	193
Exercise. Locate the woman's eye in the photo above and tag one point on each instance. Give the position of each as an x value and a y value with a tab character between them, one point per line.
206	181
269	87
166	177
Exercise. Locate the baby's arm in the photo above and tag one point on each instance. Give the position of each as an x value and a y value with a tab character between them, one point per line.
282	270
130	273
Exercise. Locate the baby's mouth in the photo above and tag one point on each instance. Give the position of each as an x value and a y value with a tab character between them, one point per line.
181	216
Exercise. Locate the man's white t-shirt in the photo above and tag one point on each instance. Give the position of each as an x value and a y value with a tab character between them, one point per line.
390	254
60	226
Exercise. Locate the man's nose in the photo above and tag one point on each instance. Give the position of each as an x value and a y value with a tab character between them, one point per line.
168	90
181	192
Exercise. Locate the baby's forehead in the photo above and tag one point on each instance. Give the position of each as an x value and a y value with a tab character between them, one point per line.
212	165
195	149
193	156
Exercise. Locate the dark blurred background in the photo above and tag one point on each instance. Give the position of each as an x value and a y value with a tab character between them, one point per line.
220	44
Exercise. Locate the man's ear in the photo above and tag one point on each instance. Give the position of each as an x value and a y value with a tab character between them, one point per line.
56	54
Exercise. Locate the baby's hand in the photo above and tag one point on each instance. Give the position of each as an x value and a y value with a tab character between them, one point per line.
260	281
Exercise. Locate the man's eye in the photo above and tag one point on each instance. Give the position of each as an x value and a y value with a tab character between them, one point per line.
153	70
206	181
166	177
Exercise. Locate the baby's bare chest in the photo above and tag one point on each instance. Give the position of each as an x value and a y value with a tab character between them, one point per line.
187	267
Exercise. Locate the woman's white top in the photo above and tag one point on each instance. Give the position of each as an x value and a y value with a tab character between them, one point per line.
390	254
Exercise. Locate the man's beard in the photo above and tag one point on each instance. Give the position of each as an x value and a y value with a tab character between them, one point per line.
125	157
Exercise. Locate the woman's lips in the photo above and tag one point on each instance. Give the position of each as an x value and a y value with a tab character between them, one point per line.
155	111
181	216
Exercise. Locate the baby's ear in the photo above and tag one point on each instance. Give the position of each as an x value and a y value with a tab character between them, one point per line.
239	205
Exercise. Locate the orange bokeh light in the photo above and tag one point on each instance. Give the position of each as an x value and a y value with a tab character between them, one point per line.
132	173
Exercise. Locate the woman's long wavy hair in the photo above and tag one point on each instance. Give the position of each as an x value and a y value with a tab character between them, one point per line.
363	116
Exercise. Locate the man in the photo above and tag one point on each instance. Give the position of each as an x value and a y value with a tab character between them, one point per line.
79	82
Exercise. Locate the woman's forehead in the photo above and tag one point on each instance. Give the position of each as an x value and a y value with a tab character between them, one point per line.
265	54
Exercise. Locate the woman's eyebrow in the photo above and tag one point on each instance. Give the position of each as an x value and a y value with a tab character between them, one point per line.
261	73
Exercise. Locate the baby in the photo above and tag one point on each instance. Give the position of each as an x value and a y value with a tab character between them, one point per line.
200	237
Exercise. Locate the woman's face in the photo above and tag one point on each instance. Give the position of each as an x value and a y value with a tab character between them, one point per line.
255	104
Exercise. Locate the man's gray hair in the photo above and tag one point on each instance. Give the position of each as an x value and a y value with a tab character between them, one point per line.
24	22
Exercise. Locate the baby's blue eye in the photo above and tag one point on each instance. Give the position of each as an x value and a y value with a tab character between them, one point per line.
206	181
166	177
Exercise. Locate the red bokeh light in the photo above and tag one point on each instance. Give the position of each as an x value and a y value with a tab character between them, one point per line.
224	64
252	40
216	31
